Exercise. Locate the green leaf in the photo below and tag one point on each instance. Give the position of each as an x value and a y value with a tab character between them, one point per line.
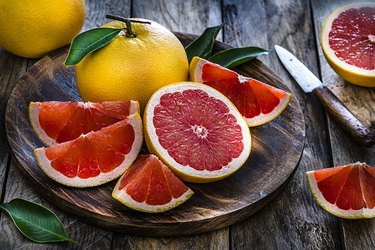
202	46
89	41
35	222
233	57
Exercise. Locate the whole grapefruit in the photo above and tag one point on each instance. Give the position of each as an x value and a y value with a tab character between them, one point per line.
132	68
33	28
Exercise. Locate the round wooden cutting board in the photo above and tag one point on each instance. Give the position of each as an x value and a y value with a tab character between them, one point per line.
277	148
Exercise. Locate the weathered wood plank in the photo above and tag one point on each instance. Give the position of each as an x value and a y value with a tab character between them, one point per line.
11	68
292	220
361	102
192	17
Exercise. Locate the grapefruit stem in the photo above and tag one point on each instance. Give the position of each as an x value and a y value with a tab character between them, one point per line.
127	21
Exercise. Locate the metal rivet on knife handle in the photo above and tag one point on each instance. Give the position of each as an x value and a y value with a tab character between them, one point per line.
342	115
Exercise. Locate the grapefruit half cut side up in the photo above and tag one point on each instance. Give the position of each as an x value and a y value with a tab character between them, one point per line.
57	122
94	158
258	102
150	186
348	43
196	131
345	191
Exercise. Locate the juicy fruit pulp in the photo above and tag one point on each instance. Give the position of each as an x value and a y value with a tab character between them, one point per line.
348	42
132	68
345	191
257	102
150	186
196	131
57	122
95	158
32	29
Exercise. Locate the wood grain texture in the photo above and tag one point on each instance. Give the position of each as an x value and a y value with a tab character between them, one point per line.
293	219
361	102
11	68
214	205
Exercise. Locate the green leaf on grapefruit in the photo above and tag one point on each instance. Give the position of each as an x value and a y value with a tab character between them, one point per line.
233	57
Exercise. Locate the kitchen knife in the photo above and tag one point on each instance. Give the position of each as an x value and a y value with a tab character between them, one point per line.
310	83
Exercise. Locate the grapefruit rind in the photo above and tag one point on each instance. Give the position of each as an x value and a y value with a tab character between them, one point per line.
351	73
333	209
195	72
45	164
34	109
122	197
187	173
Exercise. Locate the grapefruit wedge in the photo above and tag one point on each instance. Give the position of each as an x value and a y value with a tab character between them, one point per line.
348	43
94	158
258	102
56	122
345	191
196	131
150	186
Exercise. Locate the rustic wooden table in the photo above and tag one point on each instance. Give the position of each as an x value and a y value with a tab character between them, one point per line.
293	219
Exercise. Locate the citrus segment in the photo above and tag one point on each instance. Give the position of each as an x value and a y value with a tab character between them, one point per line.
150	186
56	122
345	191
196	131
348	43
258	102
95	158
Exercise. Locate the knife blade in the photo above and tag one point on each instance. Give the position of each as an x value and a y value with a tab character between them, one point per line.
338	111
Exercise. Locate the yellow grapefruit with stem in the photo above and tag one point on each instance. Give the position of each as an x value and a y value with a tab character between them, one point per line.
56	122
150	186
258	102
345	191
348	43
132	68
196	131
94	158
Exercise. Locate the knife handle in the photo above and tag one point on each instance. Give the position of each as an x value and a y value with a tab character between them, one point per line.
344	117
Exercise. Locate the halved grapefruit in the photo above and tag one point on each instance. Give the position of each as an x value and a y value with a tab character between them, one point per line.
94	158
56	122
258	102
348	43
345	191
150	186
196	131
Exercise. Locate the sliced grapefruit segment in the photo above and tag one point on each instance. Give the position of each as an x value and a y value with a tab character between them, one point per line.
94	158
56	122
150	186
258	102
348	43
196	131
345	191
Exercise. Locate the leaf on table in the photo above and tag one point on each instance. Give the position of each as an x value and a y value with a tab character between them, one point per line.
35	221
233	57
203	45
89	41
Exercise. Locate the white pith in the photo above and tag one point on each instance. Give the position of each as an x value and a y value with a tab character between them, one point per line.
135	121
231	167
34	109
331	53
123	197
332	208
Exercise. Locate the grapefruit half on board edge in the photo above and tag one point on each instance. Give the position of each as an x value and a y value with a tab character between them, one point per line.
94	158
196	131
345	191
348	43
56	122
258	102
150	186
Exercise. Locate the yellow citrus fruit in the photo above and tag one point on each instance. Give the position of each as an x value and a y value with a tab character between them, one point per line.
348	43
132	68
33	28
